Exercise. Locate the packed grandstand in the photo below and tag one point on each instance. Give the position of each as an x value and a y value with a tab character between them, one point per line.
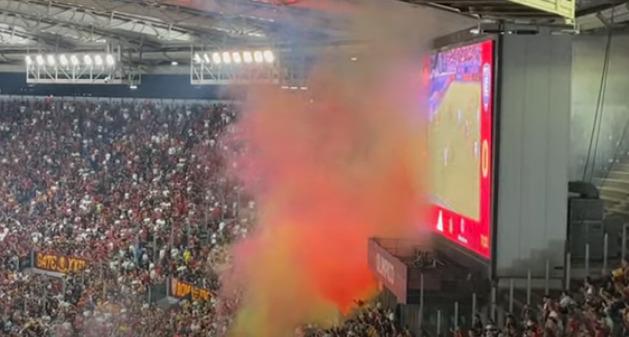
138	191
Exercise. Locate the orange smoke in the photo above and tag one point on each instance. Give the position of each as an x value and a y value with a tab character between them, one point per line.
329	167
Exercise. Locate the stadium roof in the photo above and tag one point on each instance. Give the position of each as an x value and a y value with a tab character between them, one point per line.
160	31
167	26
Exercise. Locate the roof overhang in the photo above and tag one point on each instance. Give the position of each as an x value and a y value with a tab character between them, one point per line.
510	10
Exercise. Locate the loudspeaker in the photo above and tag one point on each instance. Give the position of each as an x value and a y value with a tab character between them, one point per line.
585	226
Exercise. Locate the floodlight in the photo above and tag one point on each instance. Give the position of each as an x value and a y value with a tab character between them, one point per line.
110	60
50	60
197	58
87	59
269	57
216	58
258	56
98	60
174	63
247	57
28	60
63	59
40	60
74	60
227	59
206	57
236	57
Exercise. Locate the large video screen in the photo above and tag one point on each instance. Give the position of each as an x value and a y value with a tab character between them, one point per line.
460	144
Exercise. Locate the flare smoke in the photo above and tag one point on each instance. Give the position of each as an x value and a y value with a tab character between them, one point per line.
331	167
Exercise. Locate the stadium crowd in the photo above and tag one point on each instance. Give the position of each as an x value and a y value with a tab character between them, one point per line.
136	189
140	191
369	321
599	308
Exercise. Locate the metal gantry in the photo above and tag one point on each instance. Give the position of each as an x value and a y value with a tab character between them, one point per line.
77	68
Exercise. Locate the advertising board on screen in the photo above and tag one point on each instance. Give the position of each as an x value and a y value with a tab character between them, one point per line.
460	144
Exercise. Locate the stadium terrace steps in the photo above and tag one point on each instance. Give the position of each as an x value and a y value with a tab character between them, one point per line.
617	174
610	191
622	167
622	210
614	190
613	203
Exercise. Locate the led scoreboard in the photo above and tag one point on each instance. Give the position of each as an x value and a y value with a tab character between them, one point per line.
460	139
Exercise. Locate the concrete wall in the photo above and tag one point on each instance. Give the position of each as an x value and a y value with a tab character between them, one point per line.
533	154
549	98
588	54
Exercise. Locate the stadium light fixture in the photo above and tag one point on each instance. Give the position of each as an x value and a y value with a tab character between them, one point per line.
174	63
50	60
227	59
247	57
216	58
258	56
61	68
110	60
236	57
133	87
269	57
224	66
63	60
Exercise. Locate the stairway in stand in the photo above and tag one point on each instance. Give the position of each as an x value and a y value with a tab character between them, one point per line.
614	190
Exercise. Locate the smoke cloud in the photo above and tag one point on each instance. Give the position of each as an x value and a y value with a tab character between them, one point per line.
331	167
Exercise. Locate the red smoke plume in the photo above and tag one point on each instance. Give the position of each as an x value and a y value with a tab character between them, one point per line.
330	167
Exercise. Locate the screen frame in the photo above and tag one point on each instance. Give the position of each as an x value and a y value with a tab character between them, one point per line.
466	256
